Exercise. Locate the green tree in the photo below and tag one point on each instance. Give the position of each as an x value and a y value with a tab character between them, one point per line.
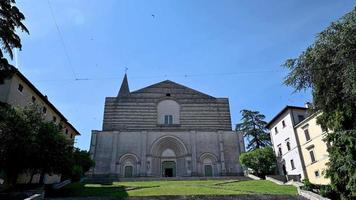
81	163
29	144
254	129
52	151
262	161
17	136
10	19
328	67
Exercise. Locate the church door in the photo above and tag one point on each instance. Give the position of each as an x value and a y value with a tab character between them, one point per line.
168	169
208	169
128	171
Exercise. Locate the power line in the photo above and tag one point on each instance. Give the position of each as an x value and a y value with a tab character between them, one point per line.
62	40
169	75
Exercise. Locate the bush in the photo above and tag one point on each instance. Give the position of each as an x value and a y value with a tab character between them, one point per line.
77	173
327	191
262	161
308	185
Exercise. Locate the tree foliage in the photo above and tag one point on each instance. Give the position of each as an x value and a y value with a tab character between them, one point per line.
10	19
328	67
80	163
262	161
254	129
28	143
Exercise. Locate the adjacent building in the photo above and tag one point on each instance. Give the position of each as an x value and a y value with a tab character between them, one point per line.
165	130
285	140
299	145
18	91
314	149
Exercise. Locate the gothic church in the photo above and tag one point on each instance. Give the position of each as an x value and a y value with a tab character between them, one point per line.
165	130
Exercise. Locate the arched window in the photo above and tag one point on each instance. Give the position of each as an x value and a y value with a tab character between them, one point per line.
168	112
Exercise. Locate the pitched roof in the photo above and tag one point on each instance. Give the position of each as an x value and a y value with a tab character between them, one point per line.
124	89
283	111
44	98
168	84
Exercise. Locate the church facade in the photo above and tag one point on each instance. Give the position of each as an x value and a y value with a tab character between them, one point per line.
165	130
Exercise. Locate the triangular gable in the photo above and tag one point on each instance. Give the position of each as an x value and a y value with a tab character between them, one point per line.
167	84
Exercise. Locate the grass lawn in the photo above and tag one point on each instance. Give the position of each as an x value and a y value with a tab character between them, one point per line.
157	188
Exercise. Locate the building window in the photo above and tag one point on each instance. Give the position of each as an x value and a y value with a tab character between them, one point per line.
33	99
54	118
306	133
312	156
168	119
279	150
292	164
288	145
71	136
44	109
283	123
300	118
168	94
168	112
20	88
66	131
316	173
275	130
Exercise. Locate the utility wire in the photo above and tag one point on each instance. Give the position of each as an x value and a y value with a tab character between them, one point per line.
169	75
62	40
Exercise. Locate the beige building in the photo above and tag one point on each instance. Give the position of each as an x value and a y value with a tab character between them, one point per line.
313	148
18	91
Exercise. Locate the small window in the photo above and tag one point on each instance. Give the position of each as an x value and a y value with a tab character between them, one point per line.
275	130
33	99
20	88
168	94
317	174
283	123
44	109
66	131
168	119
279	150
292	164
288	145
312	156
54	118
306	133
300	118
71	136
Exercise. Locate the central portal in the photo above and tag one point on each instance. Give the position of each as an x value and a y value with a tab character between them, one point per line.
168	169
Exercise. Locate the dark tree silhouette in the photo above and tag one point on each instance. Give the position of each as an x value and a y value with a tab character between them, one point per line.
10	19
254	129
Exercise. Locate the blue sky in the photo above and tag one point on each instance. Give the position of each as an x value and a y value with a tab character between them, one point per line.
230	48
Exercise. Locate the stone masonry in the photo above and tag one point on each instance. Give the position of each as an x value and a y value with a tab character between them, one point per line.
165	130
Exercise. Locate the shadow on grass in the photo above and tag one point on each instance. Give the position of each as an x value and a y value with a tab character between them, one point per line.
100	190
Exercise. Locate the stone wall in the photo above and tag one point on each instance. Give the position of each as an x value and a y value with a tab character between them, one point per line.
113	150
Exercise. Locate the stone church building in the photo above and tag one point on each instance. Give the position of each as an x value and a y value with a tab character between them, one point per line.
165	130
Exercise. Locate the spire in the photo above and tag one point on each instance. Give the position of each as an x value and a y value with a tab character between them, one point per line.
124	89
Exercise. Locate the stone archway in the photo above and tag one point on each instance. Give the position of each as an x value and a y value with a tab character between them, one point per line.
208	164
128	165
169	157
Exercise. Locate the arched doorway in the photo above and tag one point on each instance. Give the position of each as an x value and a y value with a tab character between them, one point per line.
208	163
128	165
169	157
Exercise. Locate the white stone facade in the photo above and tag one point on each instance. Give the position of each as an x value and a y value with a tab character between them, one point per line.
163	130
285	142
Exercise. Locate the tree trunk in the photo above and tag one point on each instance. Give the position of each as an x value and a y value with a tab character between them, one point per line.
31	178
42	176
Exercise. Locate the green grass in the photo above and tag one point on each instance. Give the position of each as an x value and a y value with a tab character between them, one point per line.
158	188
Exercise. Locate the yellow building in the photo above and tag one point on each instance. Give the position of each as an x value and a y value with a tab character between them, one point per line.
314	149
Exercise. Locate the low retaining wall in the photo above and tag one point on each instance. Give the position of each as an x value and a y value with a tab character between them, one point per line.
224	197
310	195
